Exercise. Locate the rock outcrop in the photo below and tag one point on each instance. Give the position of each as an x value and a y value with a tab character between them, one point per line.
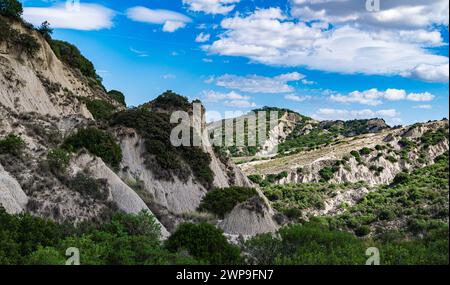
12	197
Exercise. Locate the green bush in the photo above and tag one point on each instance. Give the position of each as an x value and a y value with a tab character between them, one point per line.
100	109
255	178
90	187
401	178
28	44
221	201
204	242
11	8
327	173
118	96
97	142
58	160
365	151
12	144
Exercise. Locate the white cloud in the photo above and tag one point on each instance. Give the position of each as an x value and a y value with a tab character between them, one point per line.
394	14
374	97
344	114
170	20
231	99
292	97
259	84
431	73
84	17
211	6
169	76
268	36
423	107
207	60
420	97
240	104
139	53
201	38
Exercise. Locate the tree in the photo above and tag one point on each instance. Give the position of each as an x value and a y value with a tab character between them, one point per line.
11	8
46	31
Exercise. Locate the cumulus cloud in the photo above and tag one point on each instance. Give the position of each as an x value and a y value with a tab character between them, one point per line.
430	73
420	97
231	99
170	20
374	97
202	37
393	14
211	6
259	84
81	17
268	36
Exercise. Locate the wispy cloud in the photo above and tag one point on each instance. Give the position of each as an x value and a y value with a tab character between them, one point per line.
170	20
83	17
139	53
296	98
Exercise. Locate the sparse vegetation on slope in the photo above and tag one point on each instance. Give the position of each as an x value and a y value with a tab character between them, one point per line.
155	128
97	142
221	201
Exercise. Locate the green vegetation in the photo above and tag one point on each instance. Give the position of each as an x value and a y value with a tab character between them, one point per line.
89	187
431	137
100	109
327	173
11	144
22	41
205	243
11	8
313	139
124	240
419	200
303	195
365	151
97	142
155	128
315	243
58	160
169	101
118	96
221	201
71	55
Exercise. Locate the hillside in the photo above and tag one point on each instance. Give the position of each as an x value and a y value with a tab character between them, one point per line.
78	168
73	152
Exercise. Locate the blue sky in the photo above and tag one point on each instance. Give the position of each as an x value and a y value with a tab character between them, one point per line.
330	59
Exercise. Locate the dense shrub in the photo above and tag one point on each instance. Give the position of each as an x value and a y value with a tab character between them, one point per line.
97	142
11	144
11	8
126	239
204	242
365	151
221	201
118	96
58	160
171	101
100	109
314	244
327	173
434	137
